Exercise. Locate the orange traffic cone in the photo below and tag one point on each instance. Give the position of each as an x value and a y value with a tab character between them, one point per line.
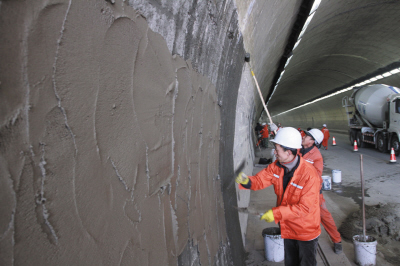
355	145
333	141
392	156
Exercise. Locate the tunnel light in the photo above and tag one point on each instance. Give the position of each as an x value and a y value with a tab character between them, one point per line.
310	17
306	25
379	77
367	81
288	60
373	79
315	6
296	44
395	71
387	74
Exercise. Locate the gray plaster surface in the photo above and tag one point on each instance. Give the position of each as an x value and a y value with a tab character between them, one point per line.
110	142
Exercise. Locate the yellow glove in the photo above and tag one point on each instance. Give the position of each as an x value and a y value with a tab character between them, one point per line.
268	216
242	179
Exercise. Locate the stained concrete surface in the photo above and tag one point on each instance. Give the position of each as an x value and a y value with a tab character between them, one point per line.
342	201
109	143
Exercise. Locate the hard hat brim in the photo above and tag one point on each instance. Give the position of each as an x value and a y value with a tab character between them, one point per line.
309	134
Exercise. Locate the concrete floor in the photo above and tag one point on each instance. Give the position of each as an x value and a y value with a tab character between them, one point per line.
381	186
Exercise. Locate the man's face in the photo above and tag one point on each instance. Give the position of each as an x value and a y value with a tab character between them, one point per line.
307	141
281	155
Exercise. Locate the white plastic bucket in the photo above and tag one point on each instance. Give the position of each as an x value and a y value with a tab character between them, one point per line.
365	252
336	176
326	182
274	246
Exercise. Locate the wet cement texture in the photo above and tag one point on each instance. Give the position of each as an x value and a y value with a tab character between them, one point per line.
109	145
382	222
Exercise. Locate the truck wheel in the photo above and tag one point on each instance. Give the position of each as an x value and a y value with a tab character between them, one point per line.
381	143
360	142
352	136
394	143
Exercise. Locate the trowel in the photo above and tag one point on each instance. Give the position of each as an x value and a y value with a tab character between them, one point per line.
237	171
247	211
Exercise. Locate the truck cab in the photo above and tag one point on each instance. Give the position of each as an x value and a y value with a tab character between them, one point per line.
394	122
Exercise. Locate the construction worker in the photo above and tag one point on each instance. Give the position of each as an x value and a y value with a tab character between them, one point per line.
297	210
265	135
325	131
301	132
310	153
258	128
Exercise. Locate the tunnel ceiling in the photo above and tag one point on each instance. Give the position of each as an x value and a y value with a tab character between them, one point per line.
345	41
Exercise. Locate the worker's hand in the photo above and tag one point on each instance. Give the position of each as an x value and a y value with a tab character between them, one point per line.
268	216
273	127
242	179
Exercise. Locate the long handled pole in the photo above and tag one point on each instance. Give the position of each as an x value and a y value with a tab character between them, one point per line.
262	99
247	59
362	193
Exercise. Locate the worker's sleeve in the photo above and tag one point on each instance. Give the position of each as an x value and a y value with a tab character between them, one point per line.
319	165
309	199
261	180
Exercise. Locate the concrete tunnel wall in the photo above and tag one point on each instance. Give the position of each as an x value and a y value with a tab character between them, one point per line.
116	132
328	111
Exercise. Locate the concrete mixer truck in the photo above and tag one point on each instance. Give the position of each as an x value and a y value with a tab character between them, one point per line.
373	113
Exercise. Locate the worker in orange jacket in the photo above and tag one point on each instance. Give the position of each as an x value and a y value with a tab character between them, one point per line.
301	132
265	135
297	211
311	154
325	131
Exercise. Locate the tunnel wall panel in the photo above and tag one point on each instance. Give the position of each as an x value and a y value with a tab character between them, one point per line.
113	150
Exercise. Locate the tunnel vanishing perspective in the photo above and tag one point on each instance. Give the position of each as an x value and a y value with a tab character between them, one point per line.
122	122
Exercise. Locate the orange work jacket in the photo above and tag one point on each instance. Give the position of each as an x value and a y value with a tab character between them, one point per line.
314	157
326	136
265	132
297	210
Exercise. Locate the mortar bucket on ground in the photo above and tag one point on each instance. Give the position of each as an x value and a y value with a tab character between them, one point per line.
336	176
274	247
365	252
326	182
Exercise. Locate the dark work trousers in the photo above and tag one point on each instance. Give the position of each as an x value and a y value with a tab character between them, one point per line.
300	253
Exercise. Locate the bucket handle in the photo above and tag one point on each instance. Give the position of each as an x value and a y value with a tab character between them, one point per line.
369	251
277	243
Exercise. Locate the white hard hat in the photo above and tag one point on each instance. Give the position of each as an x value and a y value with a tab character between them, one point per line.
264	124
288	137
316	134
324	125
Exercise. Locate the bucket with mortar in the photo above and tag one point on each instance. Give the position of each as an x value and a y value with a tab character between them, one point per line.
364	245
274	248
336	176
364	251
326	182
